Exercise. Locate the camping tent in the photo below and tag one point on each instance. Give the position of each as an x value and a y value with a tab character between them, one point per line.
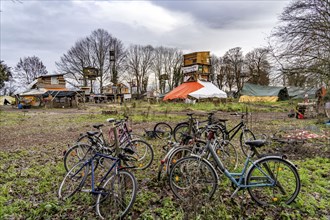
257	93
10	99
197	90
208	91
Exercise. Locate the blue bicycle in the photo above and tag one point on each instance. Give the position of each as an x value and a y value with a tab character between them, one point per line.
115	192
270	180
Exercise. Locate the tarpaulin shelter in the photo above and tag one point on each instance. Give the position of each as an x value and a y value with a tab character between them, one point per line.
257	93
197	89
299	93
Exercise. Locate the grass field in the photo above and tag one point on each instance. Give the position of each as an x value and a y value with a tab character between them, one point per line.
32	143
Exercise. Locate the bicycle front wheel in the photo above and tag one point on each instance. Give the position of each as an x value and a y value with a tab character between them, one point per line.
193	179
179	131
143	154
273	181
77	153
73	180
118	196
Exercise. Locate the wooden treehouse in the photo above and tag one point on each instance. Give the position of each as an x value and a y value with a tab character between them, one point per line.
196	66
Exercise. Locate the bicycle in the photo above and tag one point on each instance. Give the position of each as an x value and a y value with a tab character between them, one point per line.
269	180
191	127
177	151
118	191
245	135
142	150
225	150
124	134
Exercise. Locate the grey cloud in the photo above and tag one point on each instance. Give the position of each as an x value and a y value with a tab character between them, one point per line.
225	14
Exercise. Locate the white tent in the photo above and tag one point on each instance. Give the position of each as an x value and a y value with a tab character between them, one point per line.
209	90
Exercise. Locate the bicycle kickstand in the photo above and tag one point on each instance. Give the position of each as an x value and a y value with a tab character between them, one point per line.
235	192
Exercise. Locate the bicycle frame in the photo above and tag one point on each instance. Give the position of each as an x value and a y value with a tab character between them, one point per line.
90	161
239	183
123	136
235	129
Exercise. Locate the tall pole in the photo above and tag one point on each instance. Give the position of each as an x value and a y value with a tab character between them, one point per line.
114	73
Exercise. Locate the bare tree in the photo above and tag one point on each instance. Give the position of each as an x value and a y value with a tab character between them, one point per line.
139	63
28	69
302	41
118	64
73	62
258	66
158	67
93	51
217	71
5	73
232	65
173	62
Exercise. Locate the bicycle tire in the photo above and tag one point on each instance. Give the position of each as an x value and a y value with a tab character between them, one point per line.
180	130
119	195
246	135
77	176
143	153
77	153
175	156
193	179
227	154
85	139
287	181
163	131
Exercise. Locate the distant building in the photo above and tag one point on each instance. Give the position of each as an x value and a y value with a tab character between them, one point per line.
49	90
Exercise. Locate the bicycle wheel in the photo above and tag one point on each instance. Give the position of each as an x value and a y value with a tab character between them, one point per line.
143	154
73	180
246	135
118	196
283	174
163	131
176	155
179	131
227	154
193	179
77	153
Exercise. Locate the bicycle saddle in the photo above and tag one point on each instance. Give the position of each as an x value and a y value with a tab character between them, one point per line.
98	126
256	143
190	114
92	133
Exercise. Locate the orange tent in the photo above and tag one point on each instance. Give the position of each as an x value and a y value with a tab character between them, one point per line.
182	91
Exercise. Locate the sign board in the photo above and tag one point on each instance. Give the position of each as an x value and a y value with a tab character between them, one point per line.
127	96
189	69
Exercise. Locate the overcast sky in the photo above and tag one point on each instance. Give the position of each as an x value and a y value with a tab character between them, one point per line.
49	28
